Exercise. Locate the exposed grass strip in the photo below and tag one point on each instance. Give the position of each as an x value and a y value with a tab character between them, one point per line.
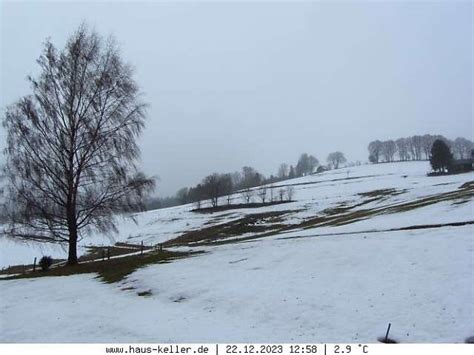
414	227
112	270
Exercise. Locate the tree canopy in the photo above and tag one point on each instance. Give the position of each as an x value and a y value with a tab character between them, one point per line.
335	159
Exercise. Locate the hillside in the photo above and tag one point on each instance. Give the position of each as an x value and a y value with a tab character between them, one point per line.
358	248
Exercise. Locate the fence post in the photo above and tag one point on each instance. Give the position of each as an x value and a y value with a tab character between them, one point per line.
103	254
388	330
34	265
141	248
108	253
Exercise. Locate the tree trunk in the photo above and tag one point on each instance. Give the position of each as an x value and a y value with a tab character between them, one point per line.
72	255
72	228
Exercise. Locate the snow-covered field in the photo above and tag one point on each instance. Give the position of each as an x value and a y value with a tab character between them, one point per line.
313	282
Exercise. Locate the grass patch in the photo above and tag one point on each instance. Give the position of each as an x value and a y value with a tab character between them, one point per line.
22	269
253	223
334	219
467	185
112	270
370	196
97	253
382	193
147	293
94	253
179	299
337	210
326	181
134	247
414	227
238	206
466	191
460	202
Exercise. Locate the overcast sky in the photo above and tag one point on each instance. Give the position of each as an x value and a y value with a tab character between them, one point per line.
258	83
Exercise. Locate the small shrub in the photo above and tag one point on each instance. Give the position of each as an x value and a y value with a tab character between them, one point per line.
145	293
45	263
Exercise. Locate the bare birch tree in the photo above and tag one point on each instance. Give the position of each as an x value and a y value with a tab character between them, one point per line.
247	194
462	148
389	148
290	192
375	149
262	193
402	148
71	145
281	194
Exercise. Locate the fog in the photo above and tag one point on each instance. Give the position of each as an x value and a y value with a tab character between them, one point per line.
236	84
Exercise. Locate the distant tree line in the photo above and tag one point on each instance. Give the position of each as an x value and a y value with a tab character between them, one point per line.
243	184
230	186
415	148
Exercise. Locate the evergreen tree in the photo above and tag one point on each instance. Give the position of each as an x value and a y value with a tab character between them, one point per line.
441	156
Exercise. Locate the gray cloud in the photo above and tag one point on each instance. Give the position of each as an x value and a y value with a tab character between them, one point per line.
258	83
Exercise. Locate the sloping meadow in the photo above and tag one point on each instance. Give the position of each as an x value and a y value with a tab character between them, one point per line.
356	249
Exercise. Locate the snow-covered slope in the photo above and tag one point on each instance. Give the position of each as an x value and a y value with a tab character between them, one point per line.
359	248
